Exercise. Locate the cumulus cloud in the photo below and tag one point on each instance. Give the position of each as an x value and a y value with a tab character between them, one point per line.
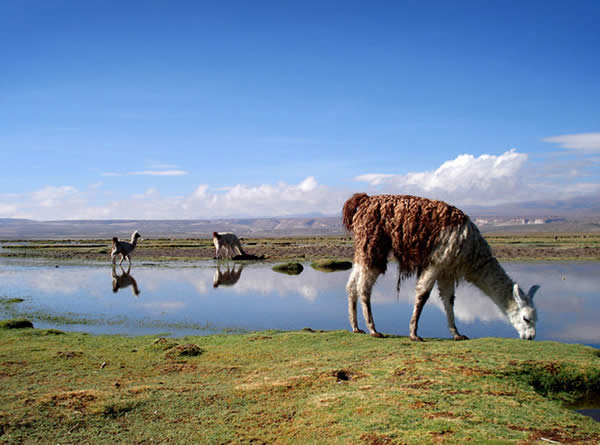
586	142
466	179
281	199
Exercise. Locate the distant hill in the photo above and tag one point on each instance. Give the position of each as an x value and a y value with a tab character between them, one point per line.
11	229
575	215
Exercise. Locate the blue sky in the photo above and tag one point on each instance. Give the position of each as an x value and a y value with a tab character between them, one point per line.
196	109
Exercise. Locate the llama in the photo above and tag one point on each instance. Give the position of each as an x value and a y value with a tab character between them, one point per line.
438	243
124	248
228	241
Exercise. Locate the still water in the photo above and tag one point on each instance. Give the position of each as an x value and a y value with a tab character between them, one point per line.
204	298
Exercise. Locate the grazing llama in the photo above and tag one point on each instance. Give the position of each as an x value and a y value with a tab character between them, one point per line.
124	248
438	243
228	241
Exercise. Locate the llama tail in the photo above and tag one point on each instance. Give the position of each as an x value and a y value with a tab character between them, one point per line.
350	208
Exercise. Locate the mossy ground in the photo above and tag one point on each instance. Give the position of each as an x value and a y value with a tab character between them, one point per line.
290	387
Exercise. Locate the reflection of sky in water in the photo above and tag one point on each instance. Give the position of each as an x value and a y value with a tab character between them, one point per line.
568	303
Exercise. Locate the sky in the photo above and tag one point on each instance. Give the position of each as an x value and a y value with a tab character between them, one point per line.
209	109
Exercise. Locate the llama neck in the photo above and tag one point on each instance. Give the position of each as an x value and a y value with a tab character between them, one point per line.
494	282
133	241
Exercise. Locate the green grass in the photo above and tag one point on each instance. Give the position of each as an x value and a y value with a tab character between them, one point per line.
289	268
331	265
290	387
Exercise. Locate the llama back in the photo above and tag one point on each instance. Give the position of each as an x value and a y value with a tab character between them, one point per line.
412	228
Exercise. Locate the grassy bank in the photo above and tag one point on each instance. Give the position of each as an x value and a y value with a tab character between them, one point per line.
290	387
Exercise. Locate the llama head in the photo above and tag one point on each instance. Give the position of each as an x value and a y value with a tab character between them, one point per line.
135	236
524	317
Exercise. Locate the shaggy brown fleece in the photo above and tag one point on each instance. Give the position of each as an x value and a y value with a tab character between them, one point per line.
408	226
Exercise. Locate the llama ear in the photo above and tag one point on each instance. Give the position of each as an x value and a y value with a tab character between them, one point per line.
532	291
517	295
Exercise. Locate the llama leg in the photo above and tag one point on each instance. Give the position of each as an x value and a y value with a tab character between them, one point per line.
424	285
238	248
352	288
447	295
366	280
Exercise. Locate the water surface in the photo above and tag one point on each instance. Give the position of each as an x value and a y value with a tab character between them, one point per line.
204	298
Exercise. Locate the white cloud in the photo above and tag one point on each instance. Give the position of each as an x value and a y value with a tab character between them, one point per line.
159	173
466	179
586	142
8	210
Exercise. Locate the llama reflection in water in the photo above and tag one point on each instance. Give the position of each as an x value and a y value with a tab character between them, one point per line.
227	277
124	280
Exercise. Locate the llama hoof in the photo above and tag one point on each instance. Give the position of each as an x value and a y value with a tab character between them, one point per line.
461	337
358	331
416	338
376	335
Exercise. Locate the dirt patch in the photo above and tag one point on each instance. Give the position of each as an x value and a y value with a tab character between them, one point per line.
379	439
69	354
74	400
345	375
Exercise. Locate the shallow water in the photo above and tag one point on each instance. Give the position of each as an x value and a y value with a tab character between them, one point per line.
589	405
182	300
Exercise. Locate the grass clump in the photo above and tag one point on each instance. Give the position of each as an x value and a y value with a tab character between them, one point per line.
187	350
6	300
19	323
554	378
289	268
328	265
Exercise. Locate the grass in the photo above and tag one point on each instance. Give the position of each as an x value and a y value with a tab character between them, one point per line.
289	268
330	265
290	387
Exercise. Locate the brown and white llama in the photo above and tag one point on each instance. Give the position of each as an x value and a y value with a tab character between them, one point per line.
438	243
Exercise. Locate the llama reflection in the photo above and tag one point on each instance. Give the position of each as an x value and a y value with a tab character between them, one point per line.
124	280
227	277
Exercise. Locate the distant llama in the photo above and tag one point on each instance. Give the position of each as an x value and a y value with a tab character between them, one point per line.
438	243
229	242
124	248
